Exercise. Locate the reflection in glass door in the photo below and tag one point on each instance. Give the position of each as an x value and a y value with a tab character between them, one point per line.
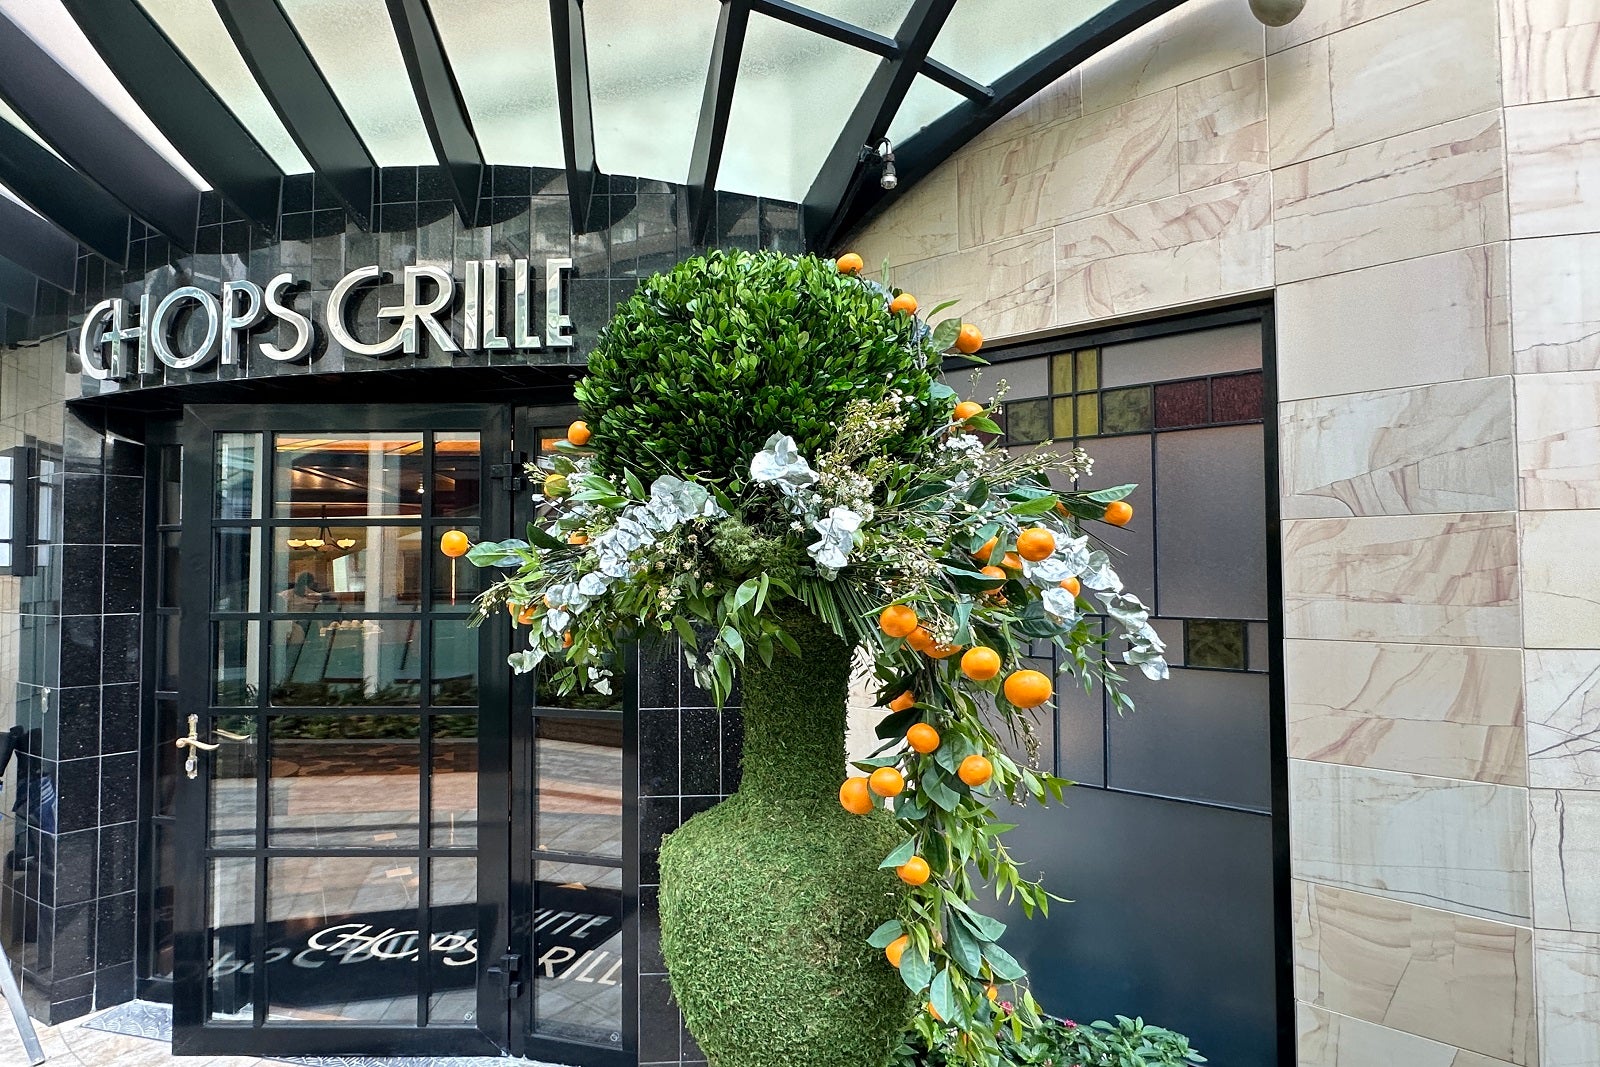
334	824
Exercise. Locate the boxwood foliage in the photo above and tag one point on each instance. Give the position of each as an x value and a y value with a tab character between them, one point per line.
706	361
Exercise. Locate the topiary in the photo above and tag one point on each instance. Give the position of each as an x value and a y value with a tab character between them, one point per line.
706	361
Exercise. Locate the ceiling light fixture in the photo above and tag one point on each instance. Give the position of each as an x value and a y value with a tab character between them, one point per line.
883	153
1277	12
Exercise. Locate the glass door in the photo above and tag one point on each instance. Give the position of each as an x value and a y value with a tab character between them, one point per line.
337	891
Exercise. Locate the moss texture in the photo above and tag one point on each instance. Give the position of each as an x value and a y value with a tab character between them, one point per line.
768	898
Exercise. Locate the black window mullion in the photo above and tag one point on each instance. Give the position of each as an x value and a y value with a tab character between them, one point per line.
266	473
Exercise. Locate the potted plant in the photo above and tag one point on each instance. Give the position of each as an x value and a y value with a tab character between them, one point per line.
769	468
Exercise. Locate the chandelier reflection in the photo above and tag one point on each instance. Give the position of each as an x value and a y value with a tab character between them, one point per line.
323	541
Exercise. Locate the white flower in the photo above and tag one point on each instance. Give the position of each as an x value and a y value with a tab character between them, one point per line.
838	533
780	462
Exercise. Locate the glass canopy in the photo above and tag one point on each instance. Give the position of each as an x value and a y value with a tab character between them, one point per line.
782	99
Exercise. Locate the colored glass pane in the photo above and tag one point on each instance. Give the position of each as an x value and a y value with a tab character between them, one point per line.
1236	398
1027	421
1215	643
1063	417
1061	372
1181	403
1126	410
1088	415
1088	369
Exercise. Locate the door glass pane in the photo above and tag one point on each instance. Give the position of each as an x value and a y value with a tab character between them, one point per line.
373	475
171	485
457	474
331	568
237	478
236	579
344	781
318	662
454	785
236	674
233	897
453	942
233	779
159	954
455	664
577	975
343	936
579	767
171	570
169	757
455	581
167	657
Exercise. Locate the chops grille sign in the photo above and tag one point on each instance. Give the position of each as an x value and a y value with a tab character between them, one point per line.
119	338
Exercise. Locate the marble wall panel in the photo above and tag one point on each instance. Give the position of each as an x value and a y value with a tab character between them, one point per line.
1563	715
1198	246
1564	827
1558	440
1555	322
1123	155
1201	37
1322	17
1431	448
1453	978
1330	1040
1006	288
1416	68
1412	195
1424	709
1427	579
1437	318
1561	579
1553	166
1061	100
1462	846
1550	49
1222	126
1567	969
919	225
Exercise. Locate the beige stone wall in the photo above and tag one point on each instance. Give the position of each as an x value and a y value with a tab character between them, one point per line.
1418	182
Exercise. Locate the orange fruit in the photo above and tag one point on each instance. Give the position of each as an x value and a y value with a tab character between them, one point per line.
967	409
913	871
1035	543
935	1013
578	433
1011	562
896	948
566	639
897	620
1072	585
576	538
849	263
454	543
922	738
1119	512
975	770
920	639
887	782
968	339
991	992
855	797
904	304
994	572
1027	689
986	549
941	650
903	701
980	663
555	486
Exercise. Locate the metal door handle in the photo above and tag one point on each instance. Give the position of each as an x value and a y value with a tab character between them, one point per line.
191	766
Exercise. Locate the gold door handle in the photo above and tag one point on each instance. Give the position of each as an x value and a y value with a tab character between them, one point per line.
191	766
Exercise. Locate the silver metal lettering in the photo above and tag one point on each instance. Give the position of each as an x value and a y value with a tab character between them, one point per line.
414	310
160	334
493	340
470	294
557	323
522	298
122	331
235	321
305	334
91	342
337	312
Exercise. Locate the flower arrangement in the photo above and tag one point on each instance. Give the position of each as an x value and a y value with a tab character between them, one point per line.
805	457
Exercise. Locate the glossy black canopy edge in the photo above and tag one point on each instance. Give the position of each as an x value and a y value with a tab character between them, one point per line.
34	245
444	111
716	105
919	155
183	107
304	101
87	213
91	138
569	38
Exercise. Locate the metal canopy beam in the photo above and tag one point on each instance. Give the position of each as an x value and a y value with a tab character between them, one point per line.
444	112
577	112
826	25
953	79
86	212
18	287
304	101
37	247
715	106
843	173
917	157
182	106
93	139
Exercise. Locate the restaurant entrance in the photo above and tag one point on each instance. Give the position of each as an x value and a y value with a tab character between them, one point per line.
384	842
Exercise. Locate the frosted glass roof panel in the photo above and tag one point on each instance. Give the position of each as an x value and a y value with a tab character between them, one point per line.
926	101
353	44
53	29
794	93
502	57
984	39
879	16
646	96
197	31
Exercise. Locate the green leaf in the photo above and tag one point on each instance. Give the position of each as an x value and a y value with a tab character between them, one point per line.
944	334
686	631
933	787
942	997
734	641
1107	496
965	949
983	422
635	486
1028	509
542	539
746	592
897	723
986	927
916	970
1003	964
496	553
886	933
904	851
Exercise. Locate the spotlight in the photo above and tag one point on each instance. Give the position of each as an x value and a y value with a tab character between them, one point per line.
889	179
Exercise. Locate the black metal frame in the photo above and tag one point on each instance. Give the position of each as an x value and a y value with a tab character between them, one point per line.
570	42
444	113
1250	311
304	101
37	247
716	105
182	106
86	212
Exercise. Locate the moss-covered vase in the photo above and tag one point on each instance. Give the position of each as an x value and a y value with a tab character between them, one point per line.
768	898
